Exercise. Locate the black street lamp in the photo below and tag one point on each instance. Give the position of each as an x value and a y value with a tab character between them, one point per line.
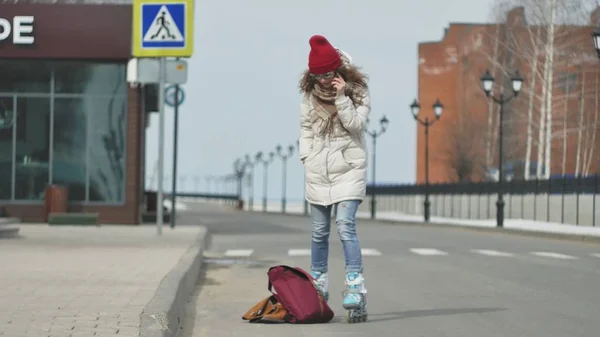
596	37
304	185
487	82
438	108
250	164
239	168
384	122
284	158
266	162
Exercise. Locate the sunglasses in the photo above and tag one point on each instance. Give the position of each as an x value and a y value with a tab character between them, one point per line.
326	76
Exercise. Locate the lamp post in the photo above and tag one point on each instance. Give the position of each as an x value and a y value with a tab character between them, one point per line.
415	108
284	158
239	168
266	162
384	122
250	163
487	82
596	37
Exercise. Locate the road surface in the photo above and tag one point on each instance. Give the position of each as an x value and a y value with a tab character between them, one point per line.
421	281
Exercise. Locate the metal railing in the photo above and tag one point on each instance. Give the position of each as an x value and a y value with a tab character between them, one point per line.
563	200
559	200
228	199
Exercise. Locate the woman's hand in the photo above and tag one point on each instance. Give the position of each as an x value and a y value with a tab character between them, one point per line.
339	84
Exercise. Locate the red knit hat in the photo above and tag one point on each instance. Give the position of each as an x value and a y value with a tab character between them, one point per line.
323	57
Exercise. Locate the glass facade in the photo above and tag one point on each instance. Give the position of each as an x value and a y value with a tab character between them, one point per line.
64	123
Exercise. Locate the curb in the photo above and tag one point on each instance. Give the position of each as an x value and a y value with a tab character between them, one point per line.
495	230
163	315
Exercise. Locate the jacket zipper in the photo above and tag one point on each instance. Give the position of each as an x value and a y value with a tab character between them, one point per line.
328	142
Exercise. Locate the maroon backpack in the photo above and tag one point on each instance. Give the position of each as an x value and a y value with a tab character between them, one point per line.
295	290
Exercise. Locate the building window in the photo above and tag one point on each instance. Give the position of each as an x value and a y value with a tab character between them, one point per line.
32	147
72	134
567	81
25	76
107	148
69	146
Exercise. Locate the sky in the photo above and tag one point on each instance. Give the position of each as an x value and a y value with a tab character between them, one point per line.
242	94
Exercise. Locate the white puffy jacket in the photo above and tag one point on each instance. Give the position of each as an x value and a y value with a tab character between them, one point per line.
335	165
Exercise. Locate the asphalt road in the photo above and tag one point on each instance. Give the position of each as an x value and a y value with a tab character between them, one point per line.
421	281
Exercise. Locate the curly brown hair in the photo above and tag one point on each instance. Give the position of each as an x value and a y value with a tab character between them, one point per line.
356	82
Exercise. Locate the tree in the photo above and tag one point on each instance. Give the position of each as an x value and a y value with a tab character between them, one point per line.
541	47
464	156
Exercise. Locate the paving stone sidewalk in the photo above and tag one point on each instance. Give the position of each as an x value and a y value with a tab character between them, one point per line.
84	281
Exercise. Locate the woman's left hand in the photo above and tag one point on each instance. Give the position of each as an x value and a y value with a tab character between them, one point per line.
339	84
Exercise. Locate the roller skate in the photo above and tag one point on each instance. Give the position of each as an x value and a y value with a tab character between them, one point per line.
321	282
355	298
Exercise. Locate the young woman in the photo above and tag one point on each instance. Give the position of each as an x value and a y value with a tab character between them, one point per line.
333	114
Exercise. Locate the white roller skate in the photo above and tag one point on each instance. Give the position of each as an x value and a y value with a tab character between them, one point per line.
321	283
355	298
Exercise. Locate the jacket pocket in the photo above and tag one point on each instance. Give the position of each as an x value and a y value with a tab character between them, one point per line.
355	157
314	152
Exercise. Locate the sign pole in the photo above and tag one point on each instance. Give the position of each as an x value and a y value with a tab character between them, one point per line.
161	143
175	146
161	29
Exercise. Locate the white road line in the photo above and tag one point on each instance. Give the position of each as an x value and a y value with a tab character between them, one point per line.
491	252
306	252
299	252
554	255
427	251
595	254
370	252
239	252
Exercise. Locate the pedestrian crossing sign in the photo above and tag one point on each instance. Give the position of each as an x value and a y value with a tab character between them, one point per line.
163	28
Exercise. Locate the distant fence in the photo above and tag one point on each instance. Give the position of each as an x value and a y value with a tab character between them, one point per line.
212	198
558	200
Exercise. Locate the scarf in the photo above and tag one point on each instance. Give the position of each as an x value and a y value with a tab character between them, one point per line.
324	104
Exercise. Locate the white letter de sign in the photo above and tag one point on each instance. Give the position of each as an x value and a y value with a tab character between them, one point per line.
21	29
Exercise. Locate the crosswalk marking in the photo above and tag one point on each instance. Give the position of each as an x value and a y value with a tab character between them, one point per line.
491	252
427	251
306	252
239	252
554	255
370	252
419	251
299	252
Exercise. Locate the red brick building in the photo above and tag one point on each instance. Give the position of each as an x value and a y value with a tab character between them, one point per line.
67	115
464	142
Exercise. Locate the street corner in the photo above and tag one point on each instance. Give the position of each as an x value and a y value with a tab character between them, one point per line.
163	315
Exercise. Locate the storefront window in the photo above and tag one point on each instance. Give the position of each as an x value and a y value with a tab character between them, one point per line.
107	148
87	111
6	145
25	76
89	78
69	149
32	147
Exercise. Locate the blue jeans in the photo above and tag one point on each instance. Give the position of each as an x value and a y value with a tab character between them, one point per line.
346	227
